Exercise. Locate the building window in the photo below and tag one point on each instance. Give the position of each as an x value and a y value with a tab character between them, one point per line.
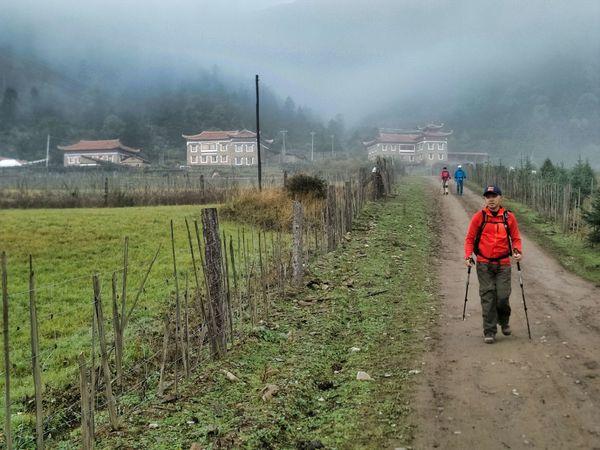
411	157
440	155
250	161
250	148
224	158
203	159
385	148
212	146
407	147
194	159
204	147
430	145
223	147
239	161
440	146
73	159
214	158
238	148
431	156
194	148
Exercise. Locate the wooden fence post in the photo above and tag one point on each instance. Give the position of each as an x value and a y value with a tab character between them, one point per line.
106	191
35	353
84	388
179	338
362	184
330	218
7	416
297	254
213	270
110	399
348	205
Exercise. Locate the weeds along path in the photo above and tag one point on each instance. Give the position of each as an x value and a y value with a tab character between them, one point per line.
517	393
365	308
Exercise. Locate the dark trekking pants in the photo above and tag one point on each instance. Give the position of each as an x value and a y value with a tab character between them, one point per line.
494	290
459	187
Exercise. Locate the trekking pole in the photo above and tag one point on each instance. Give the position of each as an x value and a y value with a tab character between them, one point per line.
523	294
466	291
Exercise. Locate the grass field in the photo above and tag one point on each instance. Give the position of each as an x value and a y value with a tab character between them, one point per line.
68	246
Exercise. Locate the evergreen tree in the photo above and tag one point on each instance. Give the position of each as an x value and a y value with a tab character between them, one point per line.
592	217
548	171
582	177
8	107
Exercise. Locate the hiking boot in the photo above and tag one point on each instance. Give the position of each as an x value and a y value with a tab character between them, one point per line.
489	339
506	331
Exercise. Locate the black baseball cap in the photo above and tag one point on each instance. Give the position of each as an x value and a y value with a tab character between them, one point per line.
492	190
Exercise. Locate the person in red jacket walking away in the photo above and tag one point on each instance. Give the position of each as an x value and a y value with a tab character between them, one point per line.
445	176
493	237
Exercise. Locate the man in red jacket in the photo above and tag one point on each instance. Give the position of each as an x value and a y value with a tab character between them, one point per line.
493	236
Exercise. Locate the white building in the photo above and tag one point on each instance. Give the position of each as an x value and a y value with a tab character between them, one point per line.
222	148
428	145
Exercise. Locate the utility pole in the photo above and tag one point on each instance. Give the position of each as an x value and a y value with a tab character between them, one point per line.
312	145
258	137
47	150
332	152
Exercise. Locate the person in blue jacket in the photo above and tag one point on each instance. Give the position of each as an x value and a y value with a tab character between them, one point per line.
459	176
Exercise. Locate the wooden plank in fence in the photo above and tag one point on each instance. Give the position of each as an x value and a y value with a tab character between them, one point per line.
110	398
330	217
297	254
35	353
212	268
7	414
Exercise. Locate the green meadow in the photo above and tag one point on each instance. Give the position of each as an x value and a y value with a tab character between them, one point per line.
67	247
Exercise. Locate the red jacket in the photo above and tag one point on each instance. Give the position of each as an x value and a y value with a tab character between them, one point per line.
445	175
493	242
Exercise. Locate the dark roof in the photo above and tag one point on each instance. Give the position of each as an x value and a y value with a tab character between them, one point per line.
109	144
220	135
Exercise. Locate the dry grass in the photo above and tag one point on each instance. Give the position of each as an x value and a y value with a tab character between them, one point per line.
271	209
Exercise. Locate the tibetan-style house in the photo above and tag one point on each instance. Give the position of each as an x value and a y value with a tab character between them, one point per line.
95	153
222	148
428	145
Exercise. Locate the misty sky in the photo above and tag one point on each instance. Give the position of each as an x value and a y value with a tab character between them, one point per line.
334	56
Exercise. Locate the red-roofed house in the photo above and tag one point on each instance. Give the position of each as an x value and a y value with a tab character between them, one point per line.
94	153
222	148
427	144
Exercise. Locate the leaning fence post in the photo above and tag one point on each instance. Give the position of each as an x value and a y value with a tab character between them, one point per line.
7	427
213	269
35	352
110	399
297	255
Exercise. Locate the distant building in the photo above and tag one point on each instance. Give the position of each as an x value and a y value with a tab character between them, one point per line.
222	148
427	144
11	162
94	153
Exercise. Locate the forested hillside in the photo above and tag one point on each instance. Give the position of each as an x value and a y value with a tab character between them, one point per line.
551	110
38	100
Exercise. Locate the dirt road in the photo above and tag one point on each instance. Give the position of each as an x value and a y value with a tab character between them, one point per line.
543	393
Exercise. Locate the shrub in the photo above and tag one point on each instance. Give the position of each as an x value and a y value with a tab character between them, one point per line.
302	185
